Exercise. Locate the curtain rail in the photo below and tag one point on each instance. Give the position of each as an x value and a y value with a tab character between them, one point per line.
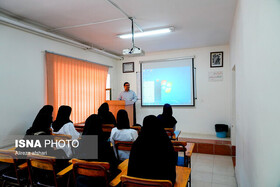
77	58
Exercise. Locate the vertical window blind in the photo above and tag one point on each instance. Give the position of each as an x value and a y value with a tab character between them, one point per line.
76	83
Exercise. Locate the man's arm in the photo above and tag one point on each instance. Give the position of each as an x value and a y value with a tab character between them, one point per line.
134	99
120	96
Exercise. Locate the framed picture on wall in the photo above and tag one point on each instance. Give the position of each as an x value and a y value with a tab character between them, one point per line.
216	59
128	67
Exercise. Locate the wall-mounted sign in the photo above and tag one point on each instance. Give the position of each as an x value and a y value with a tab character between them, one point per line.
215	76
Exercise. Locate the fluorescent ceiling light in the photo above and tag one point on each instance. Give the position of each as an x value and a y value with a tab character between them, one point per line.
147	33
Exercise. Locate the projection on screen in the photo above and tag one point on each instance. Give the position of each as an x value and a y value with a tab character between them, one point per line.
167	81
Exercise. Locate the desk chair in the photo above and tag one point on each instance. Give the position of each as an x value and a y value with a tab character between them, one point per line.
42	171
107	127
137	128
10	169
79	126
128	181
122	145
97	170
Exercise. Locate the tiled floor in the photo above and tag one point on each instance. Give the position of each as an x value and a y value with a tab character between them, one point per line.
212	171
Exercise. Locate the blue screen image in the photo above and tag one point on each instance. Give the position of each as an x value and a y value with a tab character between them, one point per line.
167	85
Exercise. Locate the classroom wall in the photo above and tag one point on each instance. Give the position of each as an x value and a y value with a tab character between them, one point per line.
254	51
213	103
22	77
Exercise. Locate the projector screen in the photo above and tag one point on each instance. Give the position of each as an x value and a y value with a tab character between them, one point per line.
167	81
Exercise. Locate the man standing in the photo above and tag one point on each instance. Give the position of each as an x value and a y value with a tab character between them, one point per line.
127	94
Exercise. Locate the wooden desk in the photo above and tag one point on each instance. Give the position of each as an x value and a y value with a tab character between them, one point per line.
66	170
23	166
189	148
182	175
123	165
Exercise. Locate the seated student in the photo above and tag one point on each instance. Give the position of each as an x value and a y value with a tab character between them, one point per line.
42	126
63	125
122	133
93	126
42	122
167	120
106	116
152	155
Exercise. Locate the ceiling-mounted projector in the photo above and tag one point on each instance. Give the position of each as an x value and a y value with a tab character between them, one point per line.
135	51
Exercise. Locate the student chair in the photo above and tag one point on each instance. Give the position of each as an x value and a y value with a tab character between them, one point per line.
42	171
95	172
137	128
79	127
128	181
11	170
107	127
122	145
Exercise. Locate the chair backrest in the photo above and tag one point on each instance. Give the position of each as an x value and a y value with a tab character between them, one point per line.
180	146
44	164
137	128
122	145
128	181
107	127
9	157
79	126
170	133
91	169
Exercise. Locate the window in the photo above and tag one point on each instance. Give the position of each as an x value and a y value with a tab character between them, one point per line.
108	88
76	83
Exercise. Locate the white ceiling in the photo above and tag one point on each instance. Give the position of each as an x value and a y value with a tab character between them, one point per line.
197	23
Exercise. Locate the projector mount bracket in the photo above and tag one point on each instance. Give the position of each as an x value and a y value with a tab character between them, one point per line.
132	36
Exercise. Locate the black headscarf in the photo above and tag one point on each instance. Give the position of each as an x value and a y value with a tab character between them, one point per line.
154	150
167	110
106	116
103	109
42	121
93	126
63	117
167	120
122	120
